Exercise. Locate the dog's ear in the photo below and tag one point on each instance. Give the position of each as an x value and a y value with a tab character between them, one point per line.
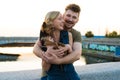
44	25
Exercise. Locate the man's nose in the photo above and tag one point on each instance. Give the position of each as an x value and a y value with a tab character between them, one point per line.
70	19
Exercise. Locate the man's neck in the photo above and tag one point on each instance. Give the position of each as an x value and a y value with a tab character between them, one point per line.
67	29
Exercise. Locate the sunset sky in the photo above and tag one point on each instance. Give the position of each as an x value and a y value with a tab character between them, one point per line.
24	17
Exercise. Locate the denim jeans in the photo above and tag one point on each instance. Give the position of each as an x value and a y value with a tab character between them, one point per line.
61	72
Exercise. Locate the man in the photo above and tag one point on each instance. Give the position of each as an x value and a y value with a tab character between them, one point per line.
71	17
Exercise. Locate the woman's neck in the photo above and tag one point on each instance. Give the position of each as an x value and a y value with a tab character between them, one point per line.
56	35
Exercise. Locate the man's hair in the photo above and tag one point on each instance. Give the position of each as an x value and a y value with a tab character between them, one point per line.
73	7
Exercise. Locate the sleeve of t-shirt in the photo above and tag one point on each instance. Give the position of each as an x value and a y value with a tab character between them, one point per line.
77	37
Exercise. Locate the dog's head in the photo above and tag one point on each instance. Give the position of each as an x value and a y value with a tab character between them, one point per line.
48	29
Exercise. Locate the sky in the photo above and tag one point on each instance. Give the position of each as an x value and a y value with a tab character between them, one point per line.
25	17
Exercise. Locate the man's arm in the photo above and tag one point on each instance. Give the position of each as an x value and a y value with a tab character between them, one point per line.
37	50
75	55
70	58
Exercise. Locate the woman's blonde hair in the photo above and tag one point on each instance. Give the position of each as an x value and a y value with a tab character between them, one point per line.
47	26
50	16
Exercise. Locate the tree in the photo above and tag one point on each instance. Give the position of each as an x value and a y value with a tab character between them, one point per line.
107	33
89	34
112	34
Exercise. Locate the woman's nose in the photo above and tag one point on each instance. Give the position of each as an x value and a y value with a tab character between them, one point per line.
63	20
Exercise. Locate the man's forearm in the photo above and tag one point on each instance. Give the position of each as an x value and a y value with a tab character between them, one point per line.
37	50
70	58
75	55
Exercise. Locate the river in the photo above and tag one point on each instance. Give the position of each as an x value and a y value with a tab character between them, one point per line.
27	60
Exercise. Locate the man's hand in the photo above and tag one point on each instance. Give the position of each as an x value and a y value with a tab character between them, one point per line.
58	52
52	58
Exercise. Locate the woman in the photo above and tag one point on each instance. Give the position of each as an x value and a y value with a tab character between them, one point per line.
52	31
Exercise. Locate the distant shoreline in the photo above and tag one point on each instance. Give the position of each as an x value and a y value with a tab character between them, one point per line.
8	57
18	44
107	41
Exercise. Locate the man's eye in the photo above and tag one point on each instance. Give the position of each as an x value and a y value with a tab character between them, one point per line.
68	15
74	17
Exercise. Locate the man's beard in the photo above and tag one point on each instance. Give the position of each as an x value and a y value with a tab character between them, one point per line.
67	28
69	24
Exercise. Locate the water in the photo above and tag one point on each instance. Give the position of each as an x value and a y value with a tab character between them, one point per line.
95	36
27	60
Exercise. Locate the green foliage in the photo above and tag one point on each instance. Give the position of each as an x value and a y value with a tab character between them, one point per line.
89	34
112	35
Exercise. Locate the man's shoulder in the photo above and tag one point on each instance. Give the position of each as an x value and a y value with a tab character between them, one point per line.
74	31
76	35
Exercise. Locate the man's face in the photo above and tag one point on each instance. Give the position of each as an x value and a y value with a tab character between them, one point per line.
70	18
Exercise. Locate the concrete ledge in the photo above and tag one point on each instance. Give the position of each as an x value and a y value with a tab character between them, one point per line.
21	75
99	71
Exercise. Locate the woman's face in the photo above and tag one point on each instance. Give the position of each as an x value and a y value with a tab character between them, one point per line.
59	22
